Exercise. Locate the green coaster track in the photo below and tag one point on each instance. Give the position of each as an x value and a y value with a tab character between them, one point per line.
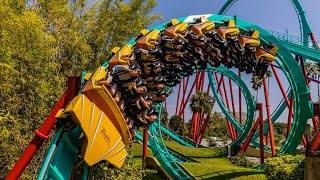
53	168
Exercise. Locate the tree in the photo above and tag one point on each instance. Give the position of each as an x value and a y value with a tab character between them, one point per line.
217	126
44	42
164	116
176	124
280	128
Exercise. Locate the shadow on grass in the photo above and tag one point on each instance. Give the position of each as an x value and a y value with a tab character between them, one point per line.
214	156
226	175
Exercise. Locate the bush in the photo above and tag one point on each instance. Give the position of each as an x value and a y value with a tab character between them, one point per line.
240	160
212	142
285	167
102	171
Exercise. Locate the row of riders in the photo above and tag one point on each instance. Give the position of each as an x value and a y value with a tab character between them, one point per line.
140	75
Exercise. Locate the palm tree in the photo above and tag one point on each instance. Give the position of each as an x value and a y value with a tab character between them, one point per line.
201	102
312	70
256	82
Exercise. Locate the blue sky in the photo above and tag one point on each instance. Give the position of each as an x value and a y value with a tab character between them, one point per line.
272	15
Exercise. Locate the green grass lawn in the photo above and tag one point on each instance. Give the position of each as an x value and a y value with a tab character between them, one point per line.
215	164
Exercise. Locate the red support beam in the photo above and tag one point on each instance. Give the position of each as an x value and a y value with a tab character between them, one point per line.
247	141
316	141
266	95
204	126
202	80
261	135
240	105
314	121
316	138
280	85
290	115
182	99
314	41
227	102
205	123
185	86
230	127
193	127
42	134
189	94
314	80
232	103
145	147
285	96
177	104
253	130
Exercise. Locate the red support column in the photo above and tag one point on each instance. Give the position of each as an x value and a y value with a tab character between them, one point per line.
261	135
230	127
42	134
240	105
202	80
314	121
177	104
227	103
232	103
253	130
247	141
313	39
316	141
145	147
192	134
266	95
186	101
203	128
280	85
316	138
290	115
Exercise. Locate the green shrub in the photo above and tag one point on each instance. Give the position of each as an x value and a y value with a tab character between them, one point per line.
212	142
240	160
128	171
285	167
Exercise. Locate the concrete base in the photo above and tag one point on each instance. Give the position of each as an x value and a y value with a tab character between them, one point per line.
312	168
254	152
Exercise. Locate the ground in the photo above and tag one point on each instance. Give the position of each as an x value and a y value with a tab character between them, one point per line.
214	163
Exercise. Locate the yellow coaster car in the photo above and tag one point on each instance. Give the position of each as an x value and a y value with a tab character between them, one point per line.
105	129
176	29
228	31
122	56
268	55
249	41
147	41
202	28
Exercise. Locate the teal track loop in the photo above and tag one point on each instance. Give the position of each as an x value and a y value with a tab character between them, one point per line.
251	106
293	73
298	89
